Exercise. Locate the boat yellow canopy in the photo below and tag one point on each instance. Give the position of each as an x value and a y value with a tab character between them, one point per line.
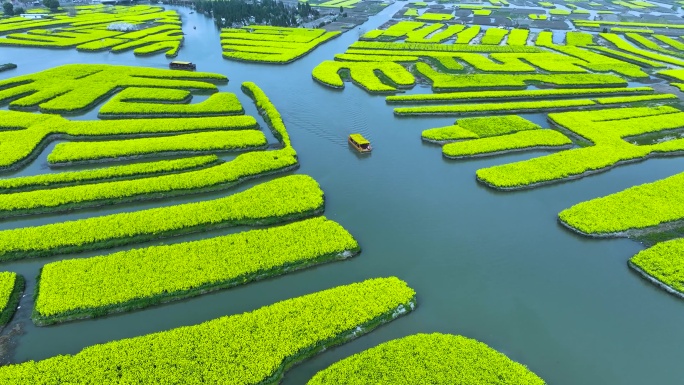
358	138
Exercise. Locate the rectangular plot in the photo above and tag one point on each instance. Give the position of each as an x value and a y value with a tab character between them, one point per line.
139	278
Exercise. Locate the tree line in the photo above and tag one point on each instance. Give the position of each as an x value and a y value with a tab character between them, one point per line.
270	12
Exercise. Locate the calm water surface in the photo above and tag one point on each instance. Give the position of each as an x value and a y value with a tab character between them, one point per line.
488	265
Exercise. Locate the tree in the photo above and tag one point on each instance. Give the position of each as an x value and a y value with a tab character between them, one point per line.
8	8
19	10
53	5
341	9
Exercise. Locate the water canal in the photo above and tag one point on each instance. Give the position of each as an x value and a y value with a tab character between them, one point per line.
488	265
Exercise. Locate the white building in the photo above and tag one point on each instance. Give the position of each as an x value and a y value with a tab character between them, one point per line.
34	15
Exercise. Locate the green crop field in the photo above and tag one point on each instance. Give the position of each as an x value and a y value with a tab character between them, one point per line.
608	122
142	277
107	190
608	149
87	30
138	190
241	349
266	44
149	113
11	289
663	263
76	87
446	56
430	359
640	207
186	143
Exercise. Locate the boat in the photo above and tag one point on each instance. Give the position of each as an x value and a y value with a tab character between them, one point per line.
182	65
360	143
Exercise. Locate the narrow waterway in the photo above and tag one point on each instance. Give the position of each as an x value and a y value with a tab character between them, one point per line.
488	265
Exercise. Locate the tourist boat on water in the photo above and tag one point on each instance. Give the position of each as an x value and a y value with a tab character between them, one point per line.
182	65
360	143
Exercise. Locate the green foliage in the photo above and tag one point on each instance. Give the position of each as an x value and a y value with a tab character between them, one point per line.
442	81
75	87
8	9
518	37
7	283
651	45
635	99
110	173
222	103
559	12
339	3
269	113
473	96
88	30
625	46
368	58
496	125
640	207
398	30
363	74
523	106
476	6
579	39
494	36
677	74
275	201
427	359
52	5
495	62
143	277
637	30
420	32
626	56
164	40
221	176
150	95
600	63
502	107
25	132
434	33
544	39
411	12
427	16
676	44
519	141
267	44
444	48
11	290
448	133
170	47
249	348
188	143
266	12
663	262
467	34
643	4
606	130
